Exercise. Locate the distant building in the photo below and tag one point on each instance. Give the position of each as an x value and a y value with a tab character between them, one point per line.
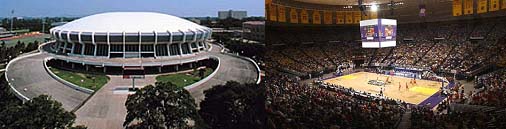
253	30
232	14
4	33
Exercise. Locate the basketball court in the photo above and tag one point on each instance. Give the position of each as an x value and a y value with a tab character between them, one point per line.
415	93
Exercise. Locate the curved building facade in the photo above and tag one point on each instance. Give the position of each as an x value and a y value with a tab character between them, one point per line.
130	35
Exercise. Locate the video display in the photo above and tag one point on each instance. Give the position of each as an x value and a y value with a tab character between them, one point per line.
378	33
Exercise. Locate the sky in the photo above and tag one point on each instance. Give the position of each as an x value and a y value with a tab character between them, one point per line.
79	8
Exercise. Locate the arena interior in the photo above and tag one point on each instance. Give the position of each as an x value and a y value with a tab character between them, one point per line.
318	75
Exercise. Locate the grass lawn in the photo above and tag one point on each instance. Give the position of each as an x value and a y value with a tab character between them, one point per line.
87	80
10	43
179	78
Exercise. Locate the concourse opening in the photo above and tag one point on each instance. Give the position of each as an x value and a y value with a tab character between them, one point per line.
133	72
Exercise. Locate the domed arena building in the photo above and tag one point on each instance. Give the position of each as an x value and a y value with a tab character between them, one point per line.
94	63
135	40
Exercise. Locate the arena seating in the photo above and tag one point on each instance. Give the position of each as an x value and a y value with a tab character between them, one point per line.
424	118
310	51
494	87
294	105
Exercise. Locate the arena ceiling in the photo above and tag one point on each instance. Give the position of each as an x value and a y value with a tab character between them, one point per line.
346	2
132	22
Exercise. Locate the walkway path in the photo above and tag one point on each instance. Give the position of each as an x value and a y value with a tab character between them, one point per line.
105	109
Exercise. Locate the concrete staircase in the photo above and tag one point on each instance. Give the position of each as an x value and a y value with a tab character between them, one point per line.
405	121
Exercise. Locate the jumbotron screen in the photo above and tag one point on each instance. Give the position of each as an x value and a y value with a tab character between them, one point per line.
378	33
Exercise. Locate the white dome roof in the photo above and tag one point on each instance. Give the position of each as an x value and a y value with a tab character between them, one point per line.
130	22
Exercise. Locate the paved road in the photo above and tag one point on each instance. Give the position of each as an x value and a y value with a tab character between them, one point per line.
231	69
29	73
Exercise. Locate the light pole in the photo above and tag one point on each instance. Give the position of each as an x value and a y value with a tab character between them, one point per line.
12	19
43	24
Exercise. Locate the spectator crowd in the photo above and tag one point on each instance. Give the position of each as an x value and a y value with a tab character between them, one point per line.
440	47
291	104
443	47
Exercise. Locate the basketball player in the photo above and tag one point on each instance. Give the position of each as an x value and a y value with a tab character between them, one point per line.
381	91
407	87
399	86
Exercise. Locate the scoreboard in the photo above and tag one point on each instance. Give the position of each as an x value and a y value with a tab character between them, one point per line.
378	33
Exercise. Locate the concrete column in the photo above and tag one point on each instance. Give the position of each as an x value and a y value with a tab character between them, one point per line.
82	49
170	42
123	44
93	37
140	40
154	50
190	47
73	45
108	50
154	45
180	49
105	69
160	69
80	41
168	49
95	50
87	67
198	47
60	40
177	67
108	45
73	65
64	47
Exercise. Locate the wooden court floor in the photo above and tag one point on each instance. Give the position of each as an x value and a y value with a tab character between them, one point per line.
414	94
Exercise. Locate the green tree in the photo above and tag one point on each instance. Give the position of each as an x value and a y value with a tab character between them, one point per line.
230	22
161	106
6	97
2	46
234	106
201	73
39	112
8	104
42	111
